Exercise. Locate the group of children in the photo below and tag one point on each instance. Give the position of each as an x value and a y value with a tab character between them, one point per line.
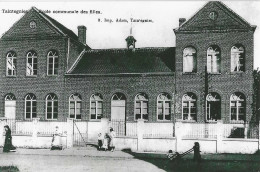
106	141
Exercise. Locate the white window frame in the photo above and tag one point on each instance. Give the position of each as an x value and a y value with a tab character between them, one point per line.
33	56
236	53
96	98
211	98
142	100
189	99
53	99
75	101
13	59
164	98
54	55
189	52
31	100
213	51
238	98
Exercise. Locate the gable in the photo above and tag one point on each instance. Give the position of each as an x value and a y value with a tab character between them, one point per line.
215	16
21	29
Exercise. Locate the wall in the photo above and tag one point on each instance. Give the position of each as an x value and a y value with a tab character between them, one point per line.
130	86
225	83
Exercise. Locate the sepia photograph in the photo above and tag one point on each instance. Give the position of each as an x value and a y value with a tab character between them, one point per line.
167	86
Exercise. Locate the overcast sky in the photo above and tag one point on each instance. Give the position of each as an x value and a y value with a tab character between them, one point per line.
159	33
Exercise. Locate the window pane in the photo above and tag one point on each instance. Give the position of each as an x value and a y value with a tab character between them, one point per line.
93	116
167	111
145	116
93	111
72	104
160	104
145	111
78	116
137	111
160	117
28	115
99	104
167	104
144	104
137	116
167	117
55	115
34	115
48	115
99	111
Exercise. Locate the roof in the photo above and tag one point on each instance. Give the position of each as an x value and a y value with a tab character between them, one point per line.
62	29
124	61
227	19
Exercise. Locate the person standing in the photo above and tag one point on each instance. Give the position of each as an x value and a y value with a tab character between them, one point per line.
56	140
8	146
112	135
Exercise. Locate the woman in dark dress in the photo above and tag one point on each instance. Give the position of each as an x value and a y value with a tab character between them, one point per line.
8	146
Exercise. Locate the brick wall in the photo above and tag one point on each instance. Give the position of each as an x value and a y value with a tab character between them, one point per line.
225	83
40	85
130	86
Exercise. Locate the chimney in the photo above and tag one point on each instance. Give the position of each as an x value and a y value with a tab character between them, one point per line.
181	21
82	34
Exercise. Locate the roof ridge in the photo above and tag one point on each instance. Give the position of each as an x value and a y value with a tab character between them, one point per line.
44	16
233	12
77	61
221	5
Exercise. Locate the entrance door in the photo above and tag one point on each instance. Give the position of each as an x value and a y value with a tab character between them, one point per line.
118	110
118	115
10	106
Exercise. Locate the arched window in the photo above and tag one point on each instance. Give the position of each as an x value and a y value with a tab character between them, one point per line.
96	106
52	63
141	106
213	59
164	106
75	106
237	58
31	65
11	63
30	106
213	111
237	106
189	59
51	106
10	106
189	110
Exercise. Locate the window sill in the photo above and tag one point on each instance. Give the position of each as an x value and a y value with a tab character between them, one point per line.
10	76
51	119
212	121
94	120
237	122
214	73
238	72
189	73
186	121
163	121
145	120
31	76
52	75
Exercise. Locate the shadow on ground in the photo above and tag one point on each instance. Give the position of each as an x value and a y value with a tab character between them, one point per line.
188	165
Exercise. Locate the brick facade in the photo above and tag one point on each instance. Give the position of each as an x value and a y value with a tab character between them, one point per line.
20	39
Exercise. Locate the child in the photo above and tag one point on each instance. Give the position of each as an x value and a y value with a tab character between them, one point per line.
100	140
170	155
105	142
